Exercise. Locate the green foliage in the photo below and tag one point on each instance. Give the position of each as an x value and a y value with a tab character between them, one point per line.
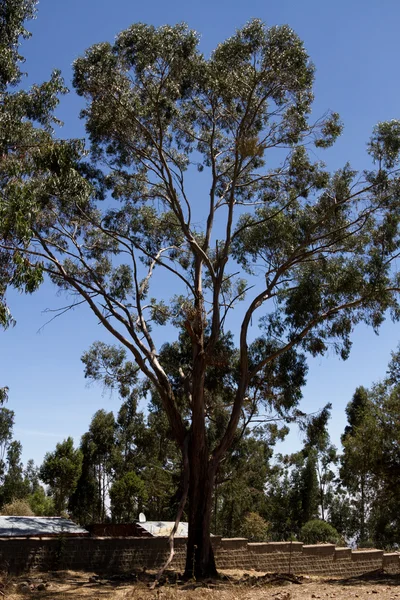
31	476
240	486
41	504
3	395
15	485
137	446
384	145
6	427
128	496
13	13
144	446
301	486
26	145
61	470
356	410
308	488
255	528
99	444
319	532
109	365
370	461
14	482
344	513
366	544
384	522
281	504
360	453
85	501
322	453
157	80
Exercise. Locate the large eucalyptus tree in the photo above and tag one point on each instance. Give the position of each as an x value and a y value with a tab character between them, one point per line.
203	190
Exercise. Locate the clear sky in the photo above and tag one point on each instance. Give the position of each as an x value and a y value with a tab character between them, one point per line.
354	45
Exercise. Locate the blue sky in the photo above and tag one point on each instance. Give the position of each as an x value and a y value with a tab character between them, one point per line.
354	46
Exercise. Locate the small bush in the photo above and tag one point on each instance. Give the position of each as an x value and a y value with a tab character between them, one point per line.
42	505
319	532
17	508
255	528
366	544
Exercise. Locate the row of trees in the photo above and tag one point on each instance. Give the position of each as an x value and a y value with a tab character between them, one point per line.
308	253
16	481
129	463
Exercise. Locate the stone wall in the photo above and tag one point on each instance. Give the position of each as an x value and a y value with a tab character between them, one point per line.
114	555
298	558
124	554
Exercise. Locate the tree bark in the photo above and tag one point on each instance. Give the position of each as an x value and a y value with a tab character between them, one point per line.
322	503
200	562
362	510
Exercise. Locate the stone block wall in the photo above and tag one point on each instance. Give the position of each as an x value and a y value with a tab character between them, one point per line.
112	555
296	557
126	554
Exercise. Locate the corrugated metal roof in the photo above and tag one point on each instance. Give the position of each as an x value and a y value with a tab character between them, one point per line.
164	528
38	526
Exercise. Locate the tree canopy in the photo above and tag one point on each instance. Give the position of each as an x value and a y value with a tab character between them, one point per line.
61	470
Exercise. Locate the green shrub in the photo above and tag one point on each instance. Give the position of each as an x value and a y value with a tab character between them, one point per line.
320	532
41	504
366	544
255	528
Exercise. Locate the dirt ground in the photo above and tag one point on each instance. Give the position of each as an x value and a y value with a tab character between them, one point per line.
68	585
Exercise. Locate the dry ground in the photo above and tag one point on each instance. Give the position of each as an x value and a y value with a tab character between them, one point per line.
76	586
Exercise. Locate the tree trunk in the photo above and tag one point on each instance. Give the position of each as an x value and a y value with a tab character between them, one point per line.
322	503
200	561
362	510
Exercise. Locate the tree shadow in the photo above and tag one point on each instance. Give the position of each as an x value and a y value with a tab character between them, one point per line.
379	577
